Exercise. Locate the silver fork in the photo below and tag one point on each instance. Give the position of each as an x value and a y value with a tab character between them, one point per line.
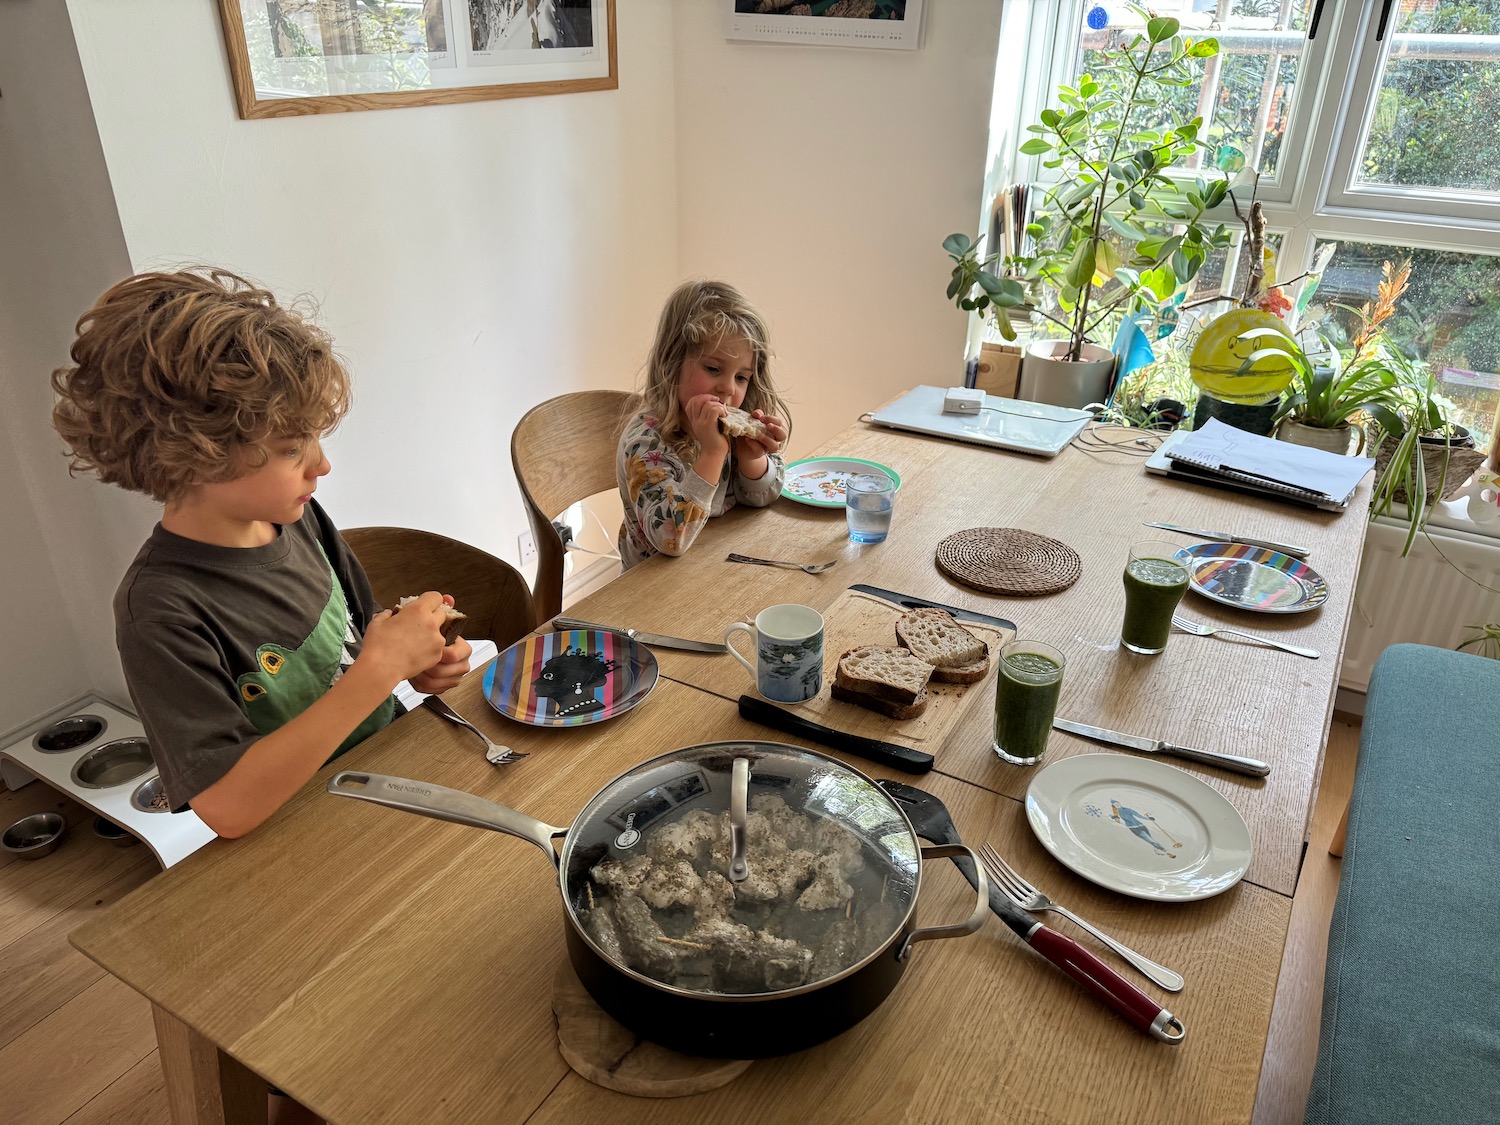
810	568
493	751
1197	628
1027	897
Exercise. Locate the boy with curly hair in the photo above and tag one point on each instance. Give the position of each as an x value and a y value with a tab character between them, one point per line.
250	639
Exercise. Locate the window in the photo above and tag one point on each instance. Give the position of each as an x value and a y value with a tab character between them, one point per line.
1373	124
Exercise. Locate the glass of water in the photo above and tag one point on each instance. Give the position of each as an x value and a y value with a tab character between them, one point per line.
868	500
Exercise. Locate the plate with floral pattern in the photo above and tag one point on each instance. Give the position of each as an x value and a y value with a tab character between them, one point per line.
1143	828
570	677
819	481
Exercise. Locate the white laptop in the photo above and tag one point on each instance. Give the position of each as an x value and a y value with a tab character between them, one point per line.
1005	423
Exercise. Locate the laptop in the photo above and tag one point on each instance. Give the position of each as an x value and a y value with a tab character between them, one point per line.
1004	423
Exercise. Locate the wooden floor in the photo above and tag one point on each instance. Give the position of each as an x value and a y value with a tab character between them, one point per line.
77	1046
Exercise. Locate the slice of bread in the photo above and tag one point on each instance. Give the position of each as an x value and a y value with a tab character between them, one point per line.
453	621
893	675
889	710
963	674
738	423
934	636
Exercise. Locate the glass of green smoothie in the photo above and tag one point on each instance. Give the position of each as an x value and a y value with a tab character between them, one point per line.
1026	699
1154	583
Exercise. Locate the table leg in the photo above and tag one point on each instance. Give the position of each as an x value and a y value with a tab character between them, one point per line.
204	1085
1336	846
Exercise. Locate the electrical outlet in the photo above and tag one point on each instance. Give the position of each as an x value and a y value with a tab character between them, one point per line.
528	548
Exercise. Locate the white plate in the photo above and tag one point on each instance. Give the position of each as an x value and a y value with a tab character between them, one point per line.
1142	828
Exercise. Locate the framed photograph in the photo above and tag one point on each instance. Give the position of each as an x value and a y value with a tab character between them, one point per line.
839	23
290	57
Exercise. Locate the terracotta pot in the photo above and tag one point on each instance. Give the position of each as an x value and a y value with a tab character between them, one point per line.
1047	378
1335	440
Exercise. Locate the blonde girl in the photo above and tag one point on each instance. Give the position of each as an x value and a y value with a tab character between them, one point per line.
675	467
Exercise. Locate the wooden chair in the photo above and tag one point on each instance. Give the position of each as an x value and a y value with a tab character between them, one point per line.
402	561
563	450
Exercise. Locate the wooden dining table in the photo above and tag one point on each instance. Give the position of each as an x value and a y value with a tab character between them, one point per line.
382	967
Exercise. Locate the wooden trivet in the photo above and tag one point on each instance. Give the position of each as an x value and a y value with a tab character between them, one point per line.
614	1057
1007	560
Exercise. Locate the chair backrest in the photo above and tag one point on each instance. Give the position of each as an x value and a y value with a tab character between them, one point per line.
401	561
563	450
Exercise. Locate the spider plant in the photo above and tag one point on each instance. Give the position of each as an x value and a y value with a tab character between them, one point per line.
1484	639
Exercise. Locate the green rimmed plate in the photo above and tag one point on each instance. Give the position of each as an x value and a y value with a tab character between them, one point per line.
819	481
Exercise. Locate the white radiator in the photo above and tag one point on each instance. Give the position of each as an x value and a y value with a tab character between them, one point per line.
1421	598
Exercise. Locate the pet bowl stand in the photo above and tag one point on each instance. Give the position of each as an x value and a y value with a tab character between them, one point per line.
172	836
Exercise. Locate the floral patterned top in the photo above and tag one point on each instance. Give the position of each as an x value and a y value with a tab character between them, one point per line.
666	503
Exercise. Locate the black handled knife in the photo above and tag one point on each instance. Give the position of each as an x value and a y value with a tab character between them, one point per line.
886	753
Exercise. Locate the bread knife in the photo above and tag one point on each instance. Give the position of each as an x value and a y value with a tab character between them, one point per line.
908	601
886	753
1225	537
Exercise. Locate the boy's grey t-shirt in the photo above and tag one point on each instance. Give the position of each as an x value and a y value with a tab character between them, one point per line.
221	645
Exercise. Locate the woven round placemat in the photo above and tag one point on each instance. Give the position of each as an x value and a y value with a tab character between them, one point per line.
1007	560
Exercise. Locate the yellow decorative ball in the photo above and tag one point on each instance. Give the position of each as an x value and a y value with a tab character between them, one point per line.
1218	354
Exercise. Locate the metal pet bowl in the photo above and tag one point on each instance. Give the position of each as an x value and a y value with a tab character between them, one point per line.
113	764
109	830
34	836
150	797
69	734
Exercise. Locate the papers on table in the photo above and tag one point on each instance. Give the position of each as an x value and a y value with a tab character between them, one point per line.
1220	454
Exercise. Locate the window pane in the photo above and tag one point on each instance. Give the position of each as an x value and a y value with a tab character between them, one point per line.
1434	118
1446	318
1245	95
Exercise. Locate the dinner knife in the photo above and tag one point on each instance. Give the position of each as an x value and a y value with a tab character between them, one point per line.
1225	537
886	753
932	821
907	601
1234	762
660	640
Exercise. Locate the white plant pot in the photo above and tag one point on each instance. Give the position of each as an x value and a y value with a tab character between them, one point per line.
1339	440
1045	377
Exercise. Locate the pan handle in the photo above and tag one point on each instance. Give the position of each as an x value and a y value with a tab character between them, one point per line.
974	921
442	803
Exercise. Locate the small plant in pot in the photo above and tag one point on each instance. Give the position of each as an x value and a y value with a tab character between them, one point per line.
1115	233
1330	394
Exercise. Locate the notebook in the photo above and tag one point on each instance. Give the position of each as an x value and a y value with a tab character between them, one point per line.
1224	456
1005	423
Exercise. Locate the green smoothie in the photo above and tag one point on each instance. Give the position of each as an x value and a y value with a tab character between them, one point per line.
1026	693
1153	587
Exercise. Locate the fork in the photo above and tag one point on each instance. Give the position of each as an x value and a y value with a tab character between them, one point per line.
1027	897
494	752
1197	628
810	568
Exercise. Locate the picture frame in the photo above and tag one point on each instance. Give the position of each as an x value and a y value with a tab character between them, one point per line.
292	57
827	23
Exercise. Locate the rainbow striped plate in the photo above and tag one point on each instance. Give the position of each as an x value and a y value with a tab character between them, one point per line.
1253	577
570	678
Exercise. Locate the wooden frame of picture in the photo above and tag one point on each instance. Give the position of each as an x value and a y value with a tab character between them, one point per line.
290	57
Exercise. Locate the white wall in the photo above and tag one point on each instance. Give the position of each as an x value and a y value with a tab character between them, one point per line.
822	182
60	246
473	260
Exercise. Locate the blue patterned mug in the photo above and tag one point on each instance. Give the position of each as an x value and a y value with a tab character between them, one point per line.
788	664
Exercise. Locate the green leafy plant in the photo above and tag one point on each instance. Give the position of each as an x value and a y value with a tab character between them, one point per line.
1115	232
1483	639
1325	390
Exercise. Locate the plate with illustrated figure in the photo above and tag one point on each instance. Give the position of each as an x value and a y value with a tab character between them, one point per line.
1256	578
1143	828
570	678
819	481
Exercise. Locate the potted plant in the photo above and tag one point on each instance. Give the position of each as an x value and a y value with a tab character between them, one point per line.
1115	233
1329	393
1483	639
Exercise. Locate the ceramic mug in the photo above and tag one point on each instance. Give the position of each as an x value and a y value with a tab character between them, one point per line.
788	664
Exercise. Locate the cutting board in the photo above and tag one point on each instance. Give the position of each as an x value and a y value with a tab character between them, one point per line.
856	619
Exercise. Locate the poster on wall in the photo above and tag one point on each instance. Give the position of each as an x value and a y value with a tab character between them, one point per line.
328	56
840	23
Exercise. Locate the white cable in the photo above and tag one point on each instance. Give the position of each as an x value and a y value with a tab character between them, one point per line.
572	544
